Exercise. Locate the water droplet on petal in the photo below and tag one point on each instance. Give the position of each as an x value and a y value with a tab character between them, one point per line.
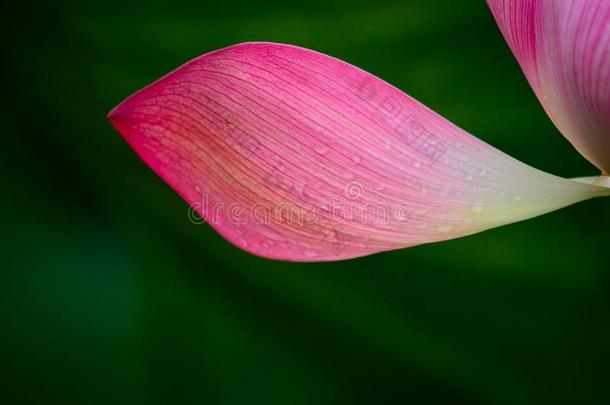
421	225
444	228
444	191
321	148
310	253
477	208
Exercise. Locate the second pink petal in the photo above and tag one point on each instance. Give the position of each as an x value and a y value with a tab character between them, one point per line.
563	47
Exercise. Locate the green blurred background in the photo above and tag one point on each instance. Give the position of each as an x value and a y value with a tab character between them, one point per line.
112	296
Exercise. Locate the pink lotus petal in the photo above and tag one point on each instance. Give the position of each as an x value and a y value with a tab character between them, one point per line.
563	48
294	155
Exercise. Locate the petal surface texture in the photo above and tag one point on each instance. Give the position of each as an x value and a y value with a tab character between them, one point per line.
563	47
294	155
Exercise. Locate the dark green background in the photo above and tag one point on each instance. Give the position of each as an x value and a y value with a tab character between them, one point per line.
111	295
